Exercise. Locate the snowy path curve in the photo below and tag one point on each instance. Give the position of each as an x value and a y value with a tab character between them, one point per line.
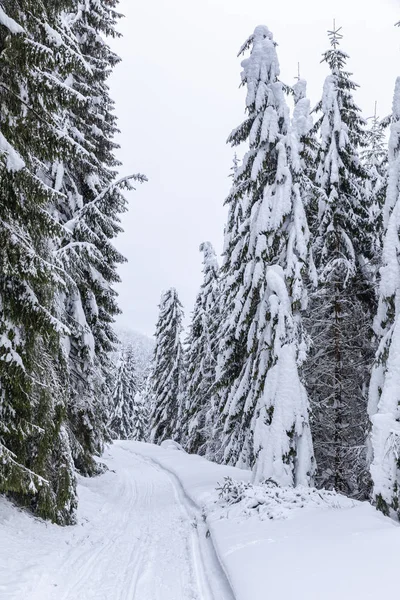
212	581
139	537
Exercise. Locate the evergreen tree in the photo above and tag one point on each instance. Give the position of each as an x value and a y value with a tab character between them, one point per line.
88	207
375	161
58	215
384	399
308	150
340	311
123	402
261	335
201	359
166	373
304	126
35	60
231	276
140	420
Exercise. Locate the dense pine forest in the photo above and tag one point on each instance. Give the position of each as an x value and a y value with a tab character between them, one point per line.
290	365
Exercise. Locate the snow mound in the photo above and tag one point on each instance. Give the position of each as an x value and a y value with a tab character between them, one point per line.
268	501
171	445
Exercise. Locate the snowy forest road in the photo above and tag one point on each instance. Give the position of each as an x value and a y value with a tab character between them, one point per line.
138	538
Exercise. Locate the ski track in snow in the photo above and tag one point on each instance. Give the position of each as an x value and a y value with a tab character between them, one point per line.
139	537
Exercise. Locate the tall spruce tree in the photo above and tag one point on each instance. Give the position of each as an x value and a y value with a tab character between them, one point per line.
166	373
265	423
304	126
123	401
231	276
88	208
308	149
340	312
384	398
375	160
35	59
140	419
201	358
58	215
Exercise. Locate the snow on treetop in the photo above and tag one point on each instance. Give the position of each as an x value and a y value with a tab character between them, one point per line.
300	90
210	258
260	31
261	68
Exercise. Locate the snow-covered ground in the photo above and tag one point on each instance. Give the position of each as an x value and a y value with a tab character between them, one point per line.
144	530
136	539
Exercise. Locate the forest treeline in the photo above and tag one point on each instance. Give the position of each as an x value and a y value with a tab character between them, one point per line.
291	363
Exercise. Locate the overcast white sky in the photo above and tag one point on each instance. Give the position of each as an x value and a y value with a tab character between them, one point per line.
177	100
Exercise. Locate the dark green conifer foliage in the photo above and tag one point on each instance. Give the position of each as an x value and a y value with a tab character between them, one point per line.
341	308
375	160
123	402
201	359
89	210
59	212
166	373
36	466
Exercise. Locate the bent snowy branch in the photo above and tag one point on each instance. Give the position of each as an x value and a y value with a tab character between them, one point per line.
124	182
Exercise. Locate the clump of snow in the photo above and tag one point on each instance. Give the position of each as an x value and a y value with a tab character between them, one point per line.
14	161
171	445
8	22
240	499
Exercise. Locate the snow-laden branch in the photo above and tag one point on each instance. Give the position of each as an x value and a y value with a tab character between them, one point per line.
70	225
28	106
9	456
9	23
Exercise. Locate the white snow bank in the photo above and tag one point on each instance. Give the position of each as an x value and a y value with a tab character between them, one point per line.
269	501
327	550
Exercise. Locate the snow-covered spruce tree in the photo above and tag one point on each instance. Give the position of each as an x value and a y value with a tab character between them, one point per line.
88	207
307	139
308	150
384	398
140	419
201	358
340	310
123	400
375	160
231	275
35	459
263	403
166	372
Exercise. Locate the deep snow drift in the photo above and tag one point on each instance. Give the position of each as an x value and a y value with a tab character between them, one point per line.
144	534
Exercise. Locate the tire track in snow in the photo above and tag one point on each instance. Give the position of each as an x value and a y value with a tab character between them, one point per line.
85	565
138	538
134	542
211	579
